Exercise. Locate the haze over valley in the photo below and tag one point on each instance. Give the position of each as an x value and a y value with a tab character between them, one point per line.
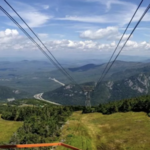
75	74
37	76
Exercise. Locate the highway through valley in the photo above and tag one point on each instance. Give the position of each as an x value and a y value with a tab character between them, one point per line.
39	97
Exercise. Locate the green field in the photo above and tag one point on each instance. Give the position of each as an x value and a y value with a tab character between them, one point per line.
7	128
119	131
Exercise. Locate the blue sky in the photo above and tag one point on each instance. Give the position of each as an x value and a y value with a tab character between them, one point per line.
87	28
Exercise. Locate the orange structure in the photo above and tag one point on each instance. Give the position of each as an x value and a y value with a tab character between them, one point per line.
38	145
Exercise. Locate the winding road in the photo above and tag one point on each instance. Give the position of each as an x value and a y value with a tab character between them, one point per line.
39	97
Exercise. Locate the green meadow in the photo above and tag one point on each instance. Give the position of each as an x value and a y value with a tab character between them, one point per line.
7	128
119	131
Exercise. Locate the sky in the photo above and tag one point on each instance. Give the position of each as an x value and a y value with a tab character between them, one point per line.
75	28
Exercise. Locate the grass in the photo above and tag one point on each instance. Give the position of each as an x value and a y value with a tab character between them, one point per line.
7	128
119	131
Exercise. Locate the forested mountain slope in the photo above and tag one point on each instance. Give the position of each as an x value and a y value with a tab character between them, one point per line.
6	92
133	86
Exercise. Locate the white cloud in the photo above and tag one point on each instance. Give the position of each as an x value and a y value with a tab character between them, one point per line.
119	16
133	45
109	3
33	16
35	19
8	32
99	34
10	39
46	7
90	19
103	33
11	42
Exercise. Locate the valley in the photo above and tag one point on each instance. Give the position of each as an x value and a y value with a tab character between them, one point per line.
125	80
39	97
75	74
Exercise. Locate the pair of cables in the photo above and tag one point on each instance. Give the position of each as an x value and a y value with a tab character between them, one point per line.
49	55
110	64
55	61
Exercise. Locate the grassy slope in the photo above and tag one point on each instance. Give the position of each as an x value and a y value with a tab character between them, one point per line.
120	131
7	128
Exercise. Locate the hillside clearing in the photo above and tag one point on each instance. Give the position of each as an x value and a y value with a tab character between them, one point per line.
119	131
7	128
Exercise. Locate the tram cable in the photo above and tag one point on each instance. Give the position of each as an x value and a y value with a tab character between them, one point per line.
40	40
104	74
42	50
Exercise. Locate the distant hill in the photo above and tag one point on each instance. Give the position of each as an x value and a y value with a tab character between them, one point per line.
6	92
147	61
92	72
84	68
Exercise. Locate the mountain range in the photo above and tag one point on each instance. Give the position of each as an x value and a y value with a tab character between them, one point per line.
123	83
34	77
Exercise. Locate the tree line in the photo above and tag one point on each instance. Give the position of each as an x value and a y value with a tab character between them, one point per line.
133	104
